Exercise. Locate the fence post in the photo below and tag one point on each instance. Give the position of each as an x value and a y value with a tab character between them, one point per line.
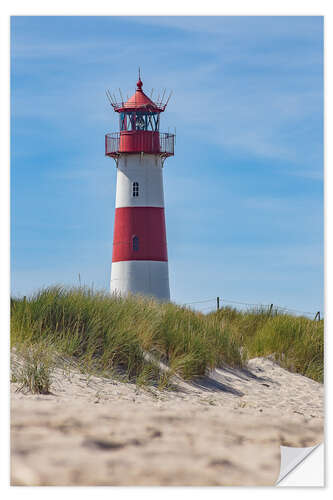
218	303
270	309
317	316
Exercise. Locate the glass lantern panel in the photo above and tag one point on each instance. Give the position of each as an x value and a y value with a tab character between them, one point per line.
139	121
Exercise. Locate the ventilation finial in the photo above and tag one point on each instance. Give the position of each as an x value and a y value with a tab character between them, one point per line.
139	82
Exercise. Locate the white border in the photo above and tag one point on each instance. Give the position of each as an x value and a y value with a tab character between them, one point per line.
139	7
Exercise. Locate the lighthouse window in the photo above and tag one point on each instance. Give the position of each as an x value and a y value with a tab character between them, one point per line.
131	121
138	120
154	119
123	124
135	189
141	122
135	244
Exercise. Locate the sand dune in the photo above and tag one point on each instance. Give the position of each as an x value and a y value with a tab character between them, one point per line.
224	429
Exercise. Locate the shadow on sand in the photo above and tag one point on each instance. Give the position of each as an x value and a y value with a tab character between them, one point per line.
211	384
224	378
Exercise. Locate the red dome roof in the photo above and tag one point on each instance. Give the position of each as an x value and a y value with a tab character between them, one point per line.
140	100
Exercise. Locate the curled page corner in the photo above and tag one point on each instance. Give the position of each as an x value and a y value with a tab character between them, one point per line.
291	457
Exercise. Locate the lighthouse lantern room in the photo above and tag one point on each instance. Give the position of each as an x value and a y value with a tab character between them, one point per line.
139	258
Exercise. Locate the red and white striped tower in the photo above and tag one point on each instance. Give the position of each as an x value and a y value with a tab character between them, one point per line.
139	259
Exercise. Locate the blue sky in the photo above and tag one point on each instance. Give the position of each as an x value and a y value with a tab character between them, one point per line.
244	192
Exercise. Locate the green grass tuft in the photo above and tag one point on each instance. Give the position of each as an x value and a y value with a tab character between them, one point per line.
34	371
296	342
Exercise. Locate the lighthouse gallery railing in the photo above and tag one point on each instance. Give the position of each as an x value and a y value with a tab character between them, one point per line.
155	143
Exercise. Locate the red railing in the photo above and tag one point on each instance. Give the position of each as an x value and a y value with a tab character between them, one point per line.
139	142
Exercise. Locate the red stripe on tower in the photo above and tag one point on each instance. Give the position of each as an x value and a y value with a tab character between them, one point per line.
139	234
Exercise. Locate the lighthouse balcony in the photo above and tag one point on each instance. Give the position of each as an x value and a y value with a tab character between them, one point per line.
139	142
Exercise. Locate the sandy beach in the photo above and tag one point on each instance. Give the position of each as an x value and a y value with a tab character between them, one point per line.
224	429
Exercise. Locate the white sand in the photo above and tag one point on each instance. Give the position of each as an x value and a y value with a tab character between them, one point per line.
225	429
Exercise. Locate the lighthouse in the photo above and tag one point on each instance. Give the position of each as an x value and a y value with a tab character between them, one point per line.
139	256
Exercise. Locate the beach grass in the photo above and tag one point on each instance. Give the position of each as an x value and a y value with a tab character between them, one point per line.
295	342
136	338
131	336
33	373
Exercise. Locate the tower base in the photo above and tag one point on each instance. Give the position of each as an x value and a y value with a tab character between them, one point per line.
145	277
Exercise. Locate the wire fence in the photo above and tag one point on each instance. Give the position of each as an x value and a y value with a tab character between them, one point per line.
217	303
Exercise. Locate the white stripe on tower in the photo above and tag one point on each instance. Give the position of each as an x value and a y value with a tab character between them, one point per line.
146	277
145	169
